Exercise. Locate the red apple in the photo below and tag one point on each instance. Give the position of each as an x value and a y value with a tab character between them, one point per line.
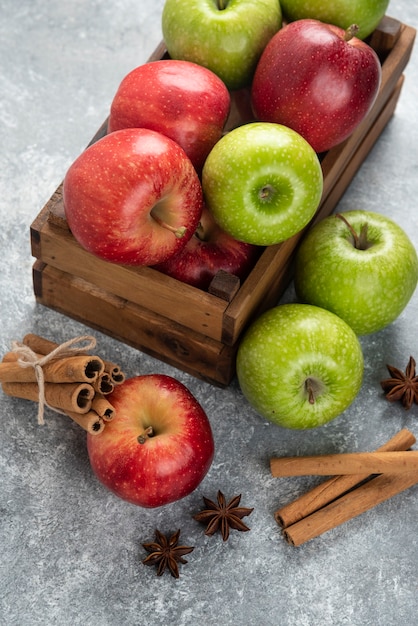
318	79
180	99
209	250
133	197
159	446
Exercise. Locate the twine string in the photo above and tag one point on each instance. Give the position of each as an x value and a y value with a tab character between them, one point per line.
28	358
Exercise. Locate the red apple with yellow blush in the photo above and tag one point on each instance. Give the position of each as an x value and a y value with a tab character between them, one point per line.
159	446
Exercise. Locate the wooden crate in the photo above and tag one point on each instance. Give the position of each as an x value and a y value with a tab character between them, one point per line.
196	331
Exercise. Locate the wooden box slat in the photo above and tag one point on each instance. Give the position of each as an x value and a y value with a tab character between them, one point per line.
134	325
144	286
184	326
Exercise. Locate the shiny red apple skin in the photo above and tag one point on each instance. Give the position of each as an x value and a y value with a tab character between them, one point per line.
183	100
210	250
168	465
314	81
120	188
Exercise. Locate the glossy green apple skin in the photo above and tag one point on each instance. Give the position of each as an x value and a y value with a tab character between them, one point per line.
262	182
288	345
365	13
367	288
228	41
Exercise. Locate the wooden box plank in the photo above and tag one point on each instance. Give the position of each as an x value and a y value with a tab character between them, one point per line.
134	325
145	286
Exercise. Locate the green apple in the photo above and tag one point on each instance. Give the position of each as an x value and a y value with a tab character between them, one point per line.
365	13
360	265
299	366
226	36
262	182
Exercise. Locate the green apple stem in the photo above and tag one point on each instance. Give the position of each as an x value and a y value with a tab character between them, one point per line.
314	387
148	432
178	232
222	4
360	241
309	387
266	192
351	32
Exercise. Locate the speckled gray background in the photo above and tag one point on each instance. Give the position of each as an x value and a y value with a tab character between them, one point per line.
70	552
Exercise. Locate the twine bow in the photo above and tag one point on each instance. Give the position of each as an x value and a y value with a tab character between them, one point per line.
28	358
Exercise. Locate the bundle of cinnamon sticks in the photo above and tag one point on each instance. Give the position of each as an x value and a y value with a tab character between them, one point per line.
359	481
63	377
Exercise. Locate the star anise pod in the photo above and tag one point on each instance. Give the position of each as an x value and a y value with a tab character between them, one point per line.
165	553
222	516
402	386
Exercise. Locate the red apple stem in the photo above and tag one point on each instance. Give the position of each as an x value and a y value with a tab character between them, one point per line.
148	432
351	32
179	232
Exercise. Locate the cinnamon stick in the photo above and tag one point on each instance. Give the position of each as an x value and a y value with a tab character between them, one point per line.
104	384
90	421
329	490
110	376
102	407
75	397
350	505
346	463
39	344
78	368
63	377
116	375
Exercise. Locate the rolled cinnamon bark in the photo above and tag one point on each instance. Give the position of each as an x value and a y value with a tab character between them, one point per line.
115	373
39	344
13	357
75	397
102	407
346	463
329	490
12	372
361	499
44	346
104	384
69	369
90	421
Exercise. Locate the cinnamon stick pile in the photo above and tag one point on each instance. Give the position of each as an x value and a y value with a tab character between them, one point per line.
63	377
359	481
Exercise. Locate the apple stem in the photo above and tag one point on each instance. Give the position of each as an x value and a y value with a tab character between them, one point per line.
178	232
310	390
222	4
266	192
351	32
360	242
148	432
